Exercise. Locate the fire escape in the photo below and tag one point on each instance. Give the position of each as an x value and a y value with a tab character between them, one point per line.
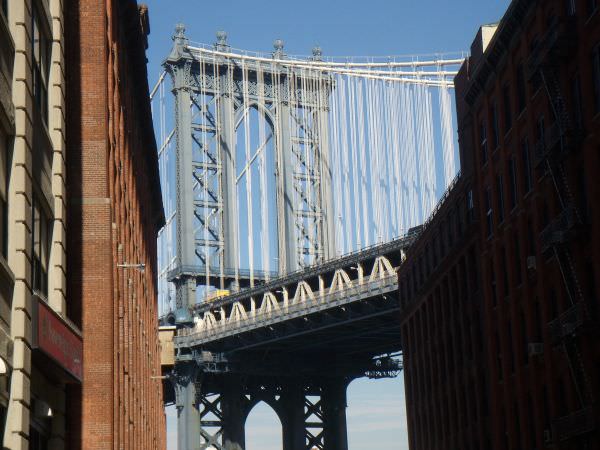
560	141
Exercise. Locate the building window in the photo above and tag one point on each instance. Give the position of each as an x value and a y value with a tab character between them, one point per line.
483	142
4	195
511	352
507	108
518	265
570	7
493	282
530	238
592	6
500	187
521	88
536	79
489	211
41	65
526	157
541	129
470	206
583	205
524	338
512	169
577	104
495	134
499	359
596	76
41	248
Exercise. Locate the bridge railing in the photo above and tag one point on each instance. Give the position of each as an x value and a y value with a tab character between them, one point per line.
259	319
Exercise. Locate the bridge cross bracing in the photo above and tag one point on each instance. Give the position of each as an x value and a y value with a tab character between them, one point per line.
290	186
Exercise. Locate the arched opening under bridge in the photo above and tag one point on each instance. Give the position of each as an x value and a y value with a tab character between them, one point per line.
263	428
376	414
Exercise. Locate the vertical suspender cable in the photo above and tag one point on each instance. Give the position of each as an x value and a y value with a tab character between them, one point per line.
447	137
353	131
363	163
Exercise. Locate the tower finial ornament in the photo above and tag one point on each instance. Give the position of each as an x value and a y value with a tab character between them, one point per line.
278	46
221	44
179	36
317	53
179	31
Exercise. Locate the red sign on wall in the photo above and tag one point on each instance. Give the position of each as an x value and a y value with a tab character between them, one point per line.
58	341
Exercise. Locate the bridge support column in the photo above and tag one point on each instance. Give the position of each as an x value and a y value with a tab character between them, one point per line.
292	422
188	416
234	417
334	410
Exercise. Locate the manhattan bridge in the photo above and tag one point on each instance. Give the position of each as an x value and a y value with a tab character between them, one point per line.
293	188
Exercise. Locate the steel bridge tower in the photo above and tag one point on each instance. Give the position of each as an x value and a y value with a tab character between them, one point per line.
211	96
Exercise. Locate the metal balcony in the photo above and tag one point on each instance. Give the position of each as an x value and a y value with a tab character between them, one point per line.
568	323
556	45
575	424
560	231
557	144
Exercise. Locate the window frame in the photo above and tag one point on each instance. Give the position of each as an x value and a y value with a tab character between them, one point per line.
500	197
514	190
596	77
495	127
508	117
483	142
41	51
41	242
489	212
526	160
521	88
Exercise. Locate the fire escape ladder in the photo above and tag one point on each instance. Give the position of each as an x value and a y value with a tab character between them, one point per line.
565	329
578	372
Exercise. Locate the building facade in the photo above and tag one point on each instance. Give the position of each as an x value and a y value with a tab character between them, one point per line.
439	286
528	104
115	212
40	347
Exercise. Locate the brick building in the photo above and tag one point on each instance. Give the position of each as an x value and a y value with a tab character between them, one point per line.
115	211
445	381
528	103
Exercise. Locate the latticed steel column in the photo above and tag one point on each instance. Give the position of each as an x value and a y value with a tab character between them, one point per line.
293	429
179	65
334	407
234	414
188	415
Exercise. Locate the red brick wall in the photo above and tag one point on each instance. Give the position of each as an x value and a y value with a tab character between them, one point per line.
116	210
442	321
530	394
531	400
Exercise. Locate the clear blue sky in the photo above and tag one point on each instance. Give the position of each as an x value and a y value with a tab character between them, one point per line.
376	413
